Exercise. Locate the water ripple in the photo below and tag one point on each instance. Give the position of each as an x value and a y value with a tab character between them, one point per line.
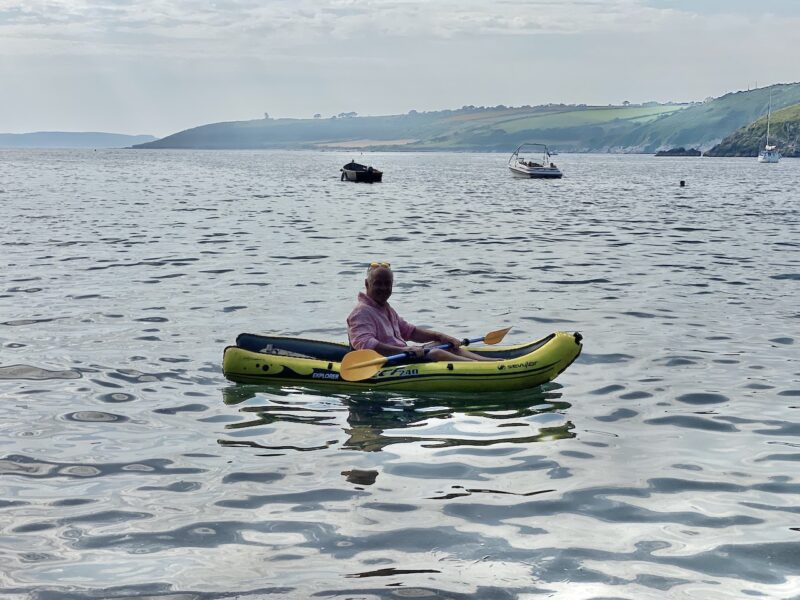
660	464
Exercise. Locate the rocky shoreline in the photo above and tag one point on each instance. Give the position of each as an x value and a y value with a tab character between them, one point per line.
680	152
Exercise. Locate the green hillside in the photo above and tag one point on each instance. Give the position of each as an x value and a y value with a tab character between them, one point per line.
468	128
575	128
784	133
702	126
571	128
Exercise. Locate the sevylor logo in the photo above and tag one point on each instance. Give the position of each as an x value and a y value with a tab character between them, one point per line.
525	365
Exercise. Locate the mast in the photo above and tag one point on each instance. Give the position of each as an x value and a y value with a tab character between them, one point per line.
769	112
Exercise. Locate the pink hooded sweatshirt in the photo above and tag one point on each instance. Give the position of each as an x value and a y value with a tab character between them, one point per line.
370	324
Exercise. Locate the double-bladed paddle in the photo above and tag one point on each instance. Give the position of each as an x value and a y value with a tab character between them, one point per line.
363	364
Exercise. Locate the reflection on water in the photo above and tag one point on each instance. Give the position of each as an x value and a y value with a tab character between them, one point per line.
375	420
662	464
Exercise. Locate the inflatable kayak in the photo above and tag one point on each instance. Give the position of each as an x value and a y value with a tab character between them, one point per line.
289	361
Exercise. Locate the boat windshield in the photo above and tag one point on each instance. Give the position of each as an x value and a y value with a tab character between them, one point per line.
532	149
531	152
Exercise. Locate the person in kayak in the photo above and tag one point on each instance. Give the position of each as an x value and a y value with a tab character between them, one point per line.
375	325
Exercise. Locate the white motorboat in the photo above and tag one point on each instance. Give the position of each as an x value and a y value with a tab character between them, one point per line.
533	161
769	154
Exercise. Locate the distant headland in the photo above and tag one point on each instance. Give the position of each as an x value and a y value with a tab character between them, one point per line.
66	139
627	127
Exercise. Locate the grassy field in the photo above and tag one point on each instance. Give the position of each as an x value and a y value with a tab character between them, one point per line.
587	116
785	115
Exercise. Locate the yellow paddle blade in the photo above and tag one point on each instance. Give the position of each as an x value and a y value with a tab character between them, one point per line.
361	364
495	337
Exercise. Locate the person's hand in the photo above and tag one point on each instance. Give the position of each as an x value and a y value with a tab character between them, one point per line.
446	339
415	351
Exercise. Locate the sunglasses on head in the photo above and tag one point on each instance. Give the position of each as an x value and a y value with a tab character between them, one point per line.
374	265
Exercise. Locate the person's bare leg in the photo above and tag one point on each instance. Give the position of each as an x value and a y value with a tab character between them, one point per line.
471	355
450	356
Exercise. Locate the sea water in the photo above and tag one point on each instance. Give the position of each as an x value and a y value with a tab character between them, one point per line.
662	464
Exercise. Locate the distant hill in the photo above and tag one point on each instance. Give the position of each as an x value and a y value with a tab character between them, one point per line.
784	133
66	139
471	128
572	128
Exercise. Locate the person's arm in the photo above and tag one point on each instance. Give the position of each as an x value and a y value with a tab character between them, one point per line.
428	335
389	350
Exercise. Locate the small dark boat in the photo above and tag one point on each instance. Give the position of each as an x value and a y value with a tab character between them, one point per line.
353	171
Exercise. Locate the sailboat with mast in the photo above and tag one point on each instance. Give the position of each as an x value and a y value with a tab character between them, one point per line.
769	154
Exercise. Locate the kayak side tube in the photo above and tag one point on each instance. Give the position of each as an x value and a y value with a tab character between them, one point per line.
284	361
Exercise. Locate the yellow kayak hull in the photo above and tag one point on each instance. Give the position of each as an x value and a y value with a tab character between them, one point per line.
282	361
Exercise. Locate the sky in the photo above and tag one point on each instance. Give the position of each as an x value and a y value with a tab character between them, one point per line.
161	66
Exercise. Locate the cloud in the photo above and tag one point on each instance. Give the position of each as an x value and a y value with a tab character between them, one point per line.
187	27
162	65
